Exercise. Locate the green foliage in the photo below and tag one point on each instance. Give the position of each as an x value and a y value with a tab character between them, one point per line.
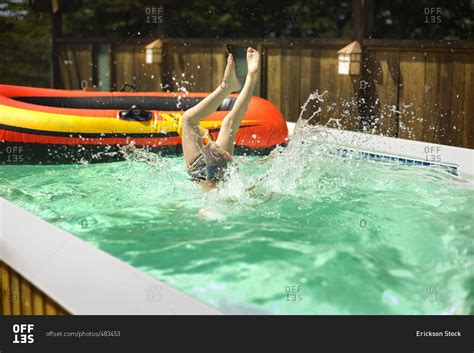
424	19
208	18
25	42
108	18
265	18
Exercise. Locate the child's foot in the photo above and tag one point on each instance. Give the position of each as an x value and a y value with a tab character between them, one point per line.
253	61
230	80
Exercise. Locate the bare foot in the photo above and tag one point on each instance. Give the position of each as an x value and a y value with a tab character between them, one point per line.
253	61
230	80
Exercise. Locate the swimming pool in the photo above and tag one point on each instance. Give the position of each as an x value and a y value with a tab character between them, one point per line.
309	231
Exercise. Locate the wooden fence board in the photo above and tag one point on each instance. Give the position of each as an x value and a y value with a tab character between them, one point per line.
148	75
309	81
177	69
437	100
385	74
412	80
218	63
38	302
200	69
328	82
290	75
468	122
75	65
274	79
123	65
49	307
455	135
348	102
1	289
6	292
26	303
15	293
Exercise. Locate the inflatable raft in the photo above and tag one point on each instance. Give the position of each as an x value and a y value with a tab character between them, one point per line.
49	126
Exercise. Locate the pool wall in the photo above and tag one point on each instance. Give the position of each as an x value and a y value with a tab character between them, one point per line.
75	277
455	160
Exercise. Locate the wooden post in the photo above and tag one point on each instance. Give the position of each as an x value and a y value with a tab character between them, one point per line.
1	290
369	18
361	25
56	31
358	20
161	29
6	290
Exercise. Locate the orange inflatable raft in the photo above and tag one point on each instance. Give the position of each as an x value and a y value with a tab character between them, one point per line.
49	126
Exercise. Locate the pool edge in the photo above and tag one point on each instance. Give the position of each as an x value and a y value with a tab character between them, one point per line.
462	158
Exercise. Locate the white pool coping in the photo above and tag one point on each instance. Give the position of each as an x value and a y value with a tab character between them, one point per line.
81	278
87	281
461	158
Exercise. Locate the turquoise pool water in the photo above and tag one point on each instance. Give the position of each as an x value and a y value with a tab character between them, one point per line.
307	232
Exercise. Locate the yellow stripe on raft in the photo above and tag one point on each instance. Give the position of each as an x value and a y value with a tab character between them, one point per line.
45	121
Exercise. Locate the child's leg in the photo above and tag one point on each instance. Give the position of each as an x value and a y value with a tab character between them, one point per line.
191	136
232	121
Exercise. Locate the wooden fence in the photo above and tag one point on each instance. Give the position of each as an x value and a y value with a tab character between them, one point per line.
19	297
420	90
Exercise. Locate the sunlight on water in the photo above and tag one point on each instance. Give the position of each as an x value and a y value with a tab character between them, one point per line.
304	231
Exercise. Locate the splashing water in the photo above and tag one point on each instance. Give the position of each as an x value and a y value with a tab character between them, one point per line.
304	231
